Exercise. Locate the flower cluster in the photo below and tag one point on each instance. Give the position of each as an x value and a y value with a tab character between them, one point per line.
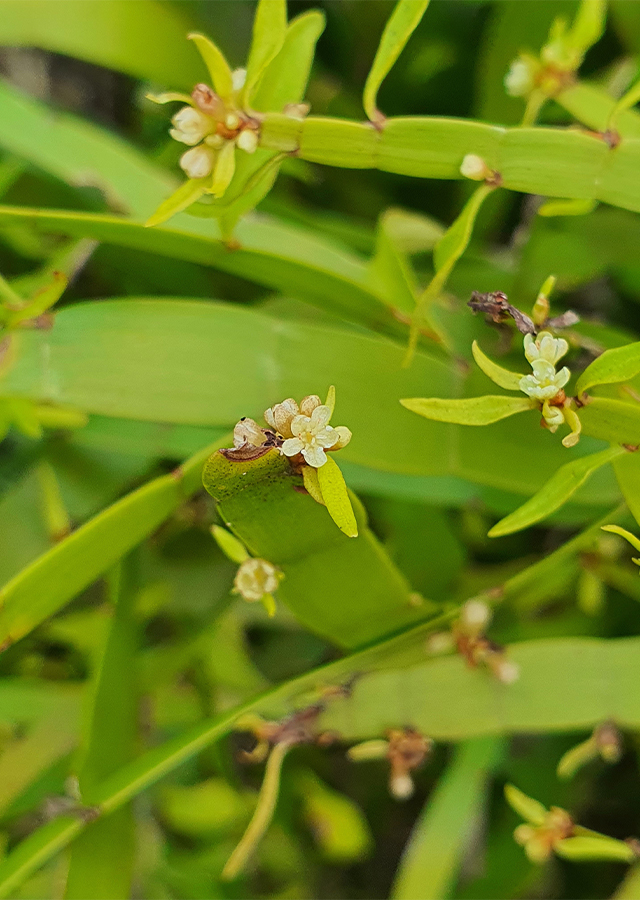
213	127
468	637
406	749
306	429
255	578
545	384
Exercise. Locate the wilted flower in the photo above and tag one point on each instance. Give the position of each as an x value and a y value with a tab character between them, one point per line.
247	432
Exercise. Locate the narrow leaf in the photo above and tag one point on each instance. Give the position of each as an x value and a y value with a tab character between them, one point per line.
219	70
336	497
619	364
269	31
186	194
556	491
616	529
530	810
581	849
402	23
432	857
312	485
567	207
469	411
229	544
510	381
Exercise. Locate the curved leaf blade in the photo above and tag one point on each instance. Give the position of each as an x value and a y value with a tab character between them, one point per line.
470	410
510	381
618	364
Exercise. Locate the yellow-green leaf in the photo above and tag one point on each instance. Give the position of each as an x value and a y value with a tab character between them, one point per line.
591	848
530	810
510	381
216	63
402	23
229	544
336	497
269	30
186	194
618	364
469	411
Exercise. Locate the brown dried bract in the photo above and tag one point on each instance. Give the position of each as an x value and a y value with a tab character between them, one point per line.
497	307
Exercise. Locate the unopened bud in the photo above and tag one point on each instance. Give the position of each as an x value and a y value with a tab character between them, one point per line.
247	140
475	167
401	786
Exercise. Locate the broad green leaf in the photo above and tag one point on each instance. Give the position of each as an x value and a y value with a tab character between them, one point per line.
587	848
219	70
183	197
619	364
58	575
336	497
269	31
510	381
627	469
144	39
469	411
434	852
556	491
101	863
285	257
444	697
402	23
324	571
611	420
230	545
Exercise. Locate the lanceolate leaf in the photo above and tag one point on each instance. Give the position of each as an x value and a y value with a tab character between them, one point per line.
619	364
336	497
219	70
556	491
186	194
403	21
612	420
269	30
469	411
510	381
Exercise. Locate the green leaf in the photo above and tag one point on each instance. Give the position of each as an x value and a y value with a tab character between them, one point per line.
269	31
336	497
556	491
391	271
214	59
230	545
186	194
526	807
583	849
285	79
627	470
454	242
145	38
58	575
588	25
402	23
510	381
611	420
470	410
43	300
566	208
323	569
101	863
616	529
595	107
619	364
434	852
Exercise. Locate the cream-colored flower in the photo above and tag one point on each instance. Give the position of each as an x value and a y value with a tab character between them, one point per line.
190	126
544	347
247	140
255	578
312	435
545	383
197	162
280	416
474	167
520	79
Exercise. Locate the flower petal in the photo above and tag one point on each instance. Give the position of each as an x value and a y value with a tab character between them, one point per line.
320	416
314	456
327	437
292	446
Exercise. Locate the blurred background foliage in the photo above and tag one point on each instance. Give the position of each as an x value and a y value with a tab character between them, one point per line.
177	647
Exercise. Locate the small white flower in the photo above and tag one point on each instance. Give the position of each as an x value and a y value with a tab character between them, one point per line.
506	671
248	432
190	126
255	578
311	436
197	162
553	416
520	79
247	140
474	167
401	786
545	383
545	347
475	615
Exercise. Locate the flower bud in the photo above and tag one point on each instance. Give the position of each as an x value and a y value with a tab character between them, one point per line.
190	126
474	167
208	101
247	140
280	416
197	162
248	432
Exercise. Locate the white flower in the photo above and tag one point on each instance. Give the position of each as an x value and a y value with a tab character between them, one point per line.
474	167
311	436
545	347
247	140
520	79
545	383
197	162
255	578
475	615
190	126
248	432
238	78
401	786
